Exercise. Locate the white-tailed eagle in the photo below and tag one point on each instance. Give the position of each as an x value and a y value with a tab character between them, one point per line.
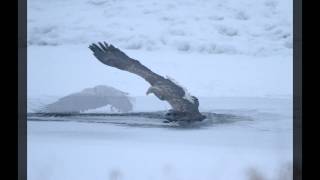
184	106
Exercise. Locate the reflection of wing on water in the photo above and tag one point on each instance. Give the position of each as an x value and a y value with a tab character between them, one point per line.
139	119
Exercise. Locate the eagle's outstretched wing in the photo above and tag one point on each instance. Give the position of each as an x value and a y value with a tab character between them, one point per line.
164	89
111	56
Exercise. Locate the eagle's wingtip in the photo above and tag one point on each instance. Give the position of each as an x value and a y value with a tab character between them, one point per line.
101	45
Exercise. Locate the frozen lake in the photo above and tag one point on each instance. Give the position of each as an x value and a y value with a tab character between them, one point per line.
259	141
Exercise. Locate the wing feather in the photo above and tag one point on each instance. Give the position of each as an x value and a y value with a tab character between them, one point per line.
111	56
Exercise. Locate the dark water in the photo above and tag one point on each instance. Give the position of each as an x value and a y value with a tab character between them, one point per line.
139	119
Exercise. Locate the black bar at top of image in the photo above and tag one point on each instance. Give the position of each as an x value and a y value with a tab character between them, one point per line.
297	89
22	89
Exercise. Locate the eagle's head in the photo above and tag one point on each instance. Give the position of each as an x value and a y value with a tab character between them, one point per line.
156	91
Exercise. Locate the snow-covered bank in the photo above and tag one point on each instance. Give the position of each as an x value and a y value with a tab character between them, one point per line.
250	27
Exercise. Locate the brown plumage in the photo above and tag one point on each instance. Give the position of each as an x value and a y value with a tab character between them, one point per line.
163	88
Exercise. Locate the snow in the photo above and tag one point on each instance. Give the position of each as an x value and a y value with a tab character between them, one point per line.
234	56
213	27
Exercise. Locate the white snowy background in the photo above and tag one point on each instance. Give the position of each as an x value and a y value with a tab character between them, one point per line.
236	56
